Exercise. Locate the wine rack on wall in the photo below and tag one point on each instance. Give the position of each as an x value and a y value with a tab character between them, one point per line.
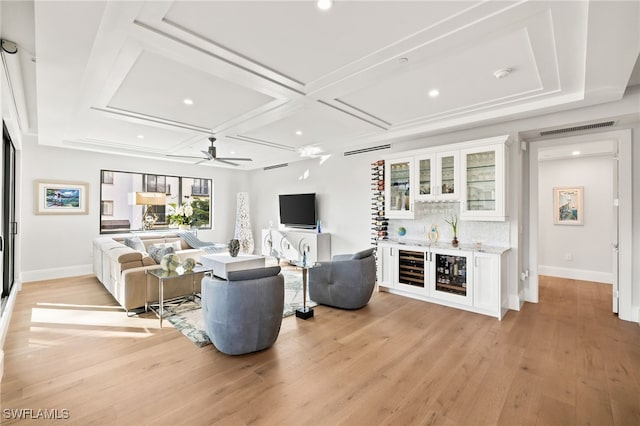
379	222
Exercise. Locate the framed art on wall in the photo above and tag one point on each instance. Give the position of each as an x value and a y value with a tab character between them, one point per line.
53	197
568	205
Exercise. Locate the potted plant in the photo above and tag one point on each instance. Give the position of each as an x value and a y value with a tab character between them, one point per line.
180	216
454	225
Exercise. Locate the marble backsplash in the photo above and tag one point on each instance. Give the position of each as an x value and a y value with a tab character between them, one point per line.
469	232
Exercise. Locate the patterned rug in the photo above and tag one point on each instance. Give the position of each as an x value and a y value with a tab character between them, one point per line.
188	317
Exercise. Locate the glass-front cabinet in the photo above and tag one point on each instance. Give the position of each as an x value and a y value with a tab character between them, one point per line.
483	183
437	177
452	272
398	188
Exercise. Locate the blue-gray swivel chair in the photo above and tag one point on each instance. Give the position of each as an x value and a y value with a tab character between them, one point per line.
347	282
243	313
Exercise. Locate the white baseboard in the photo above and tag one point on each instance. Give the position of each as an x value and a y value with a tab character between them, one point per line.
576	274
53	273
514	302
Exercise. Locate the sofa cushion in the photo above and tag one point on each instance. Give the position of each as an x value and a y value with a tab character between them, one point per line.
157	253
253	274
362	254
135	243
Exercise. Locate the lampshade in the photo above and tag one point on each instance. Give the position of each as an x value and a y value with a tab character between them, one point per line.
150	199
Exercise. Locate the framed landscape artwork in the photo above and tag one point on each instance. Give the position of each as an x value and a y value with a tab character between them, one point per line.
61	197
568	205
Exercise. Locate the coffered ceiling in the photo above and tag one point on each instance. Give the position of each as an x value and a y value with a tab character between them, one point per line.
274	80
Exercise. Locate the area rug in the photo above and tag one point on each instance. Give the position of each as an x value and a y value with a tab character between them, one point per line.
188	317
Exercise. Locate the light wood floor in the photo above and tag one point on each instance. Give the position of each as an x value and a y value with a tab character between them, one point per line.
567	360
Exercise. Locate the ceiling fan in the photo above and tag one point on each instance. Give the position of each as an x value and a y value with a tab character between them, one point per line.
211	155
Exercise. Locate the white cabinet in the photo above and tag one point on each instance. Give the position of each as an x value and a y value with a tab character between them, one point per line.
291	245
463	279
483	183
398	188
387	266
436	176
487	271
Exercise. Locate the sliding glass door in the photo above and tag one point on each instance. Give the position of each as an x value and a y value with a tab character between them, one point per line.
8	213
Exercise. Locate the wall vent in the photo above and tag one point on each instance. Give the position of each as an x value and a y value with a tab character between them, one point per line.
277	166
577	128
373	148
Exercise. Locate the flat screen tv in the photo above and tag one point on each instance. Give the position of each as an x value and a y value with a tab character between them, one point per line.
298	210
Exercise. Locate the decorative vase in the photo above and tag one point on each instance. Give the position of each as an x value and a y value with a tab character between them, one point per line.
188	264
433	234
234	247
170	262
184	227
454	242
243	224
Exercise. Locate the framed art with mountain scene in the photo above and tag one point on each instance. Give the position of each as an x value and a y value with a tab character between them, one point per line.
61	197
568	205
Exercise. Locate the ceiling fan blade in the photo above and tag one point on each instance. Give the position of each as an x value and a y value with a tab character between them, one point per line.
208	154
222	160
234	159
202	160
186	156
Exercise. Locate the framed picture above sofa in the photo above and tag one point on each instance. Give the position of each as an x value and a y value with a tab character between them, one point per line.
143	201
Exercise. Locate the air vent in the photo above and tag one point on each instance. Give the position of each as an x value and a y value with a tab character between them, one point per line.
362	151
277	166
577	128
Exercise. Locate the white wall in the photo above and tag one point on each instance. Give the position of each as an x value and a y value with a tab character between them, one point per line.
572	251
343	196
59	246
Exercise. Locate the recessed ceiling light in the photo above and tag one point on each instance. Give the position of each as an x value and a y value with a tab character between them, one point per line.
140	136
434	93
403	60
324	4
299	132
502	73
575	153
188	101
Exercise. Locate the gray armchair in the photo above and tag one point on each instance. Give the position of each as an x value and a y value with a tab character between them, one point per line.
243	313
346	282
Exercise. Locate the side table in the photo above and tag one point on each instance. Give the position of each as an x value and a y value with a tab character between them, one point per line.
164	276
305	312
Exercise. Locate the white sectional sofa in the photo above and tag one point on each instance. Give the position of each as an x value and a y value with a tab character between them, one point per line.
121	269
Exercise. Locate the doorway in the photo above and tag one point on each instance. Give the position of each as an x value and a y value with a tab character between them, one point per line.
8	214
606	169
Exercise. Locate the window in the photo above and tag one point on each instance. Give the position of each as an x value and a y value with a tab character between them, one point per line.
106	208
107	177
200	187
136	201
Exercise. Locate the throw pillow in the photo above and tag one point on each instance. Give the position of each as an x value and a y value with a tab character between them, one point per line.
135	243
157	253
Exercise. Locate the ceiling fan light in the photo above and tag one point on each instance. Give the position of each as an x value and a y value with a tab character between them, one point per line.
502	73
324	4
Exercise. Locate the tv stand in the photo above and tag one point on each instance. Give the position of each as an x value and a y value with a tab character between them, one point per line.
291	245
